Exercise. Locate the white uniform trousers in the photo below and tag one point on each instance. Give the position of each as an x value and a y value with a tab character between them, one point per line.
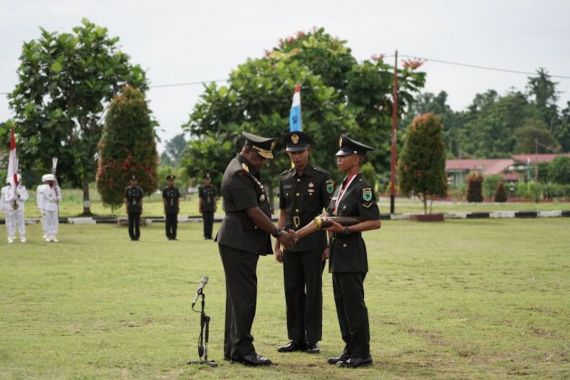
51	223
10	220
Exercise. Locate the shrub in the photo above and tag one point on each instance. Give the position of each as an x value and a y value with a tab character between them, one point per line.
500	193
475	187
490	184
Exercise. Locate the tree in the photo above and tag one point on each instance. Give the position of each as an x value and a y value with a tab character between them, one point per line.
338	95
452	121
563	132
422	162
542	91
559	170
475	187
491	123
174	151
65	82
127	147
535	136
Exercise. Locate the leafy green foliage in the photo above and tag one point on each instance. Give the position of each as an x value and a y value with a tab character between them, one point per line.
127	147
422	162
174	151
534	136
559	170
496	126
65	81
490	184
338	96
475	187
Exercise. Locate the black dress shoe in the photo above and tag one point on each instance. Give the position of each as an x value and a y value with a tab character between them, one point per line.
355	362
292	346
335	359
253	360
312	348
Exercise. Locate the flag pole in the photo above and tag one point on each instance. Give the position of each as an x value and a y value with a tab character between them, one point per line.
394	137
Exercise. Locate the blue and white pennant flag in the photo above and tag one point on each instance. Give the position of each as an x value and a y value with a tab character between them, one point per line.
295	122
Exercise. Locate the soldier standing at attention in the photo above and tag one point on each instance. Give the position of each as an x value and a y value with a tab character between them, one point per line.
207	195
13	205
243	236
348	259
134	205
304	191
171	200
51	196
40	204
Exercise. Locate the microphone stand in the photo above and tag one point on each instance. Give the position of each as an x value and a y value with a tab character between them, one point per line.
204	336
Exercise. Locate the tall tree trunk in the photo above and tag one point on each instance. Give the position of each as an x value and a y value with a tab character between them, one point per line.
86	201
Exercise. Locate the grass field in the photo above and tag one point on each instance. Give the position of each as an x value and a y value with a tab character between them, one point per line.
459	299
72	205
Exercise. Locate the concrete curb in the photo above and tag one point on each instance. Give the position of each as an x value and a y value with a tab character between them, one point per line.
407	216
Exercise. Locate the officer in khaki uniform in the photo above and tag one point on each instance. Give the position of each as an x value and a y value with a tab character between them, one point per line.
348	258
304	191
171	202
244	235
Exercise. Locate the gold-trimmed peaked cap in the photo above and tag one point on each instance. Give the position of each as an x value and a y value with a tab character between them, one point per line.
262	145
297	141
348	146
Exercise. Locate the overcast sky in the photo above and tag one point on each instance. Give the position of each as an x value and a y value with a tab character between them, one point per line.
191	41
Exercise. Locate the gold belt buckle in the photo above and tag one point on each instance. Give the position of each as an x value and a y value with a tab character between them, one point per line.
296	221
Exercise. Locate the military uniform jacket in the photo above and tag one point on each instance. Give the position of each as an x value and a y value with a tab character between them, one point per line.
348	252
208	196
304	196
242	189
171	195
134	196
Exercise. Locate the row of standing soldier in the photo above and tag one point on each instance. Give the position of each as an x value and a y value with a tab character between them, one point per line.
133	199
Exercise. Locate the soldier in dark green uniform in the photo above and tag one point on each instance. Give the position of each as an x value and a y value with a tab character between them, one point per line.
134	204
304	191
244	235
171	201
207	195
348	259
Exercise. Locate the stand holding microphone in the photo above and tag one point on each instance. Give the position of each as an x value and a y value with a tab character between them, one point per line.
204	327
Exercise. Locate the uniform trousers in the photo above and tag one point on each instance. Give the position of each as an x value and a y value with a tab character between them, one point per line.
208	217
134	225
44	228
51	222
348	288
302	273
241	299
15	220
171	224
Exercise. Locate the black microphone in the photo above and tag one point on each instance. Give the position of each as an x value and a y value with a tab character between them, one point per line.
203	283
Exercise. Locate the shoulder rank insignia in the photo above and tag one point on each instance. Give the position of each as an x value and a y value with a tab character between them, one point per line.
245	167
330	187
367	194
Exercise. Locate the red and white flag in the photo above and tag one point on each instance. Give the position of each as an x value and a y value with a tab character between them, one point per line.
12	162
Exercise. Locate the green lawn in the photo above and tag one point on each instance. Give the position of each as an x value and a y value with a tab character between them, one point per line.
72	205
459	299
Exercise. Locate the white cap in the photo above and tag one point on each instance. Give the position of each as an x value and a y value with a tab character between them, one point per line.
48	177
44	178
